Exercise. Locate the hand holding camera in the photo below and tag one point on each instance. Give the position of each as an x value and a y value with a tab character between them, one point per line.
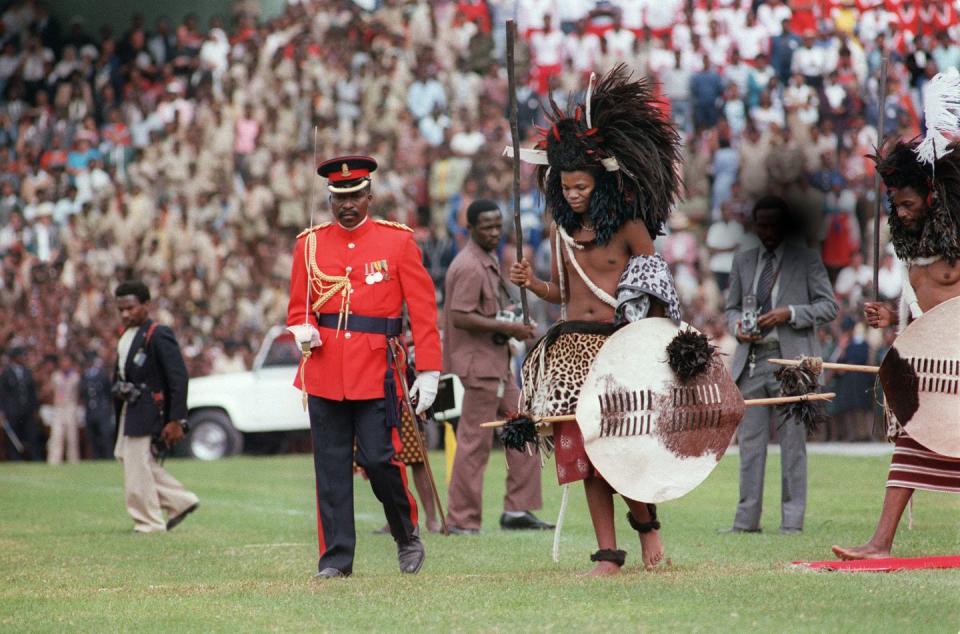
126	391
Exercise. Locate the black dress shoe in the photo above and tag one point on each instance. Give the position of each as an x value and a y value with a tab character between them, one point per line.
331	573
527	521
411	554
174	521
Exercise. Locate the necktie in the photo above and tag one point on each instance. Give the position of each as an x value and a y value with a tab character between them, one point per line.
765	284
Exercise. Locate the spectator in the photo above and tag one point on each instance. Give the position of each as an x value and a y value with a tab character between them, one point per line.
724	238
64	430
97	404
20	405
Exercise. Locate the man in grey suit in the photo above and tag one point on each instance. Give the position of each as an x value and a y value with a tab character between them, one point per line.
792	295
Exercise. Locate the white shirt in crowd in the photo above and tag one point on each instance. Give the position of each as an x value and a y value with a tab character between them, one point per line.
752	40
724	238
810	62
772	18
583	51
851	281
890	280
620	43
530	13
547	48
631	12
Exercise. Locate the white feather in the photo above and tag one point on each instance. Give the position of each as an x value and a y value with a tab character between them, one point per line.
941	112
556	532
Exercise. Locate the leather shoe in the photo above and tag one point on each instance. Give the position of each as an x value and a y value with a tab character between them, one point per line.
456	530
527	521
331	573
174	521
734	529
411	554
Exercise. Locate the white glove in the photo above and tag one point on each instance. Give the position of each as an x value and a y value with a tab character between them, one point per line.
306	336
426	386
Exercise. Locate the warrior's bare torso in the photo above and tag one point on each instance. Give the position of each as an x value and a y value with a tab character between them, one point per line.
935	283
603	265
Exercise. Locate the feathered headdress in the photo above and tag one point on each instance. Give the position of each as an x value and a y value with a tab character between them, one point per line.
941	116
621	136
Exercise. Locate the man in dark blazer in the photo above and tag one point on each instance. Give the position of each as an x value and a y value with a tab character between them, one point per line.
95	394
793	296
150	390
18	403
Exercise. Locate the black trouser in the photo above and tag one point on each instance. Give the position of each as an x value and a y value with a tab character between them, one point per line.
28	432
333	426
101	435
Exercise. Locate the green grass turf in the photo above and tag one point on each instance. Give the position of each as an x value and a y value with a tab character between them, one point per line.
244	561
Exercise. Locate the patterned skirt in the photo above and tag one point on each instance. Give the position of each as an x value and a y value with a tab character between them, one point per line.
915	467
553	374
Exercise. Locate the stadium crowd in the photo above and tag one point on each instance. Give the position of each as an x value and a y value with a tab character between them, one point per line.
186	155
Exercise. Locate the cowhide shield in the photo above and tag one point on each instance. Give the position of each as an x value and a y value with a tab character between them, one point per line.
920	375
651	436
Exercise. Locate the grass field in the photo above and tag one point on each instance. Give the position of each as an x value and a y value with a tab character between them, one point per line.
70	562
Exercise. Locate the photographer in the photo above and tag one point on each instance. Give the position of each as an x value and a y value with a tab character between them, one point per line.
150	399
476	330
779	294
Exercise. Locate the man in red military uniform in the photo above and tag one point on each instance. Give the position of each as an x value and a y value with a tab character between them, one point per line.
350	281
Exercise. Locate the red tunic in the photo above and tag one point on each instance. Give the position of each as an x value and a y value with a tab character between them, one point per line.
351	365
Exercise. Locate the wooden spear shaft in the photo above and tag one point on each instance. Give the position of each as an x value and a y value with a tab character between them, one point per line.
844	367
515	136
751	402
881	120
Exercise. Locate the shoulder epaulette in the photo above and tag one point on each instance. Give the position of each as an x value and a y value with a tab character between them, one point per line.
313	228
395	225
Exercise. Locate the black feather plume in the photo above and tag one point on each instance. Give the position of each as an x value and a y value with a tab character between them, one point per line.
689	354
517	432
800	380
628	126
810	414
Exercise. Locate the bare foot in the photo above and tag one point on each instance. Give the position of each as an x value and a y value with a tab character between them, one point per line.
603	569
433	526
867	551
652	549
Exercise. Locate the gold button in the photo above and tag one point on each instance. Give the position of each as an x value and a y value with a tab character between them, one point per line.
347	335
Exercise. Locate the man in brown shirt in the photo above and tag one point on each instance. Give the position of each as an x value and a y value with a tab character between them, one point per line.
475	349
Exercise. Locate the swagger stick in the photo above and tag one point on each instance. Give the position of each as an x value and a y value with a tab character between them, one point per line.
398	353
515	135
881	119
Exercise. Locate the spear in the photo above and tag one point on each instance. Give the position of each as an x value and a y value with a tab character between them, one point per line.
881	119
515	135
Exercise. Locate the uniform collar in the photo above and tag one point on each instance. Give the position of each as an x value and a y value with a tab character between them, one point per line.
352	234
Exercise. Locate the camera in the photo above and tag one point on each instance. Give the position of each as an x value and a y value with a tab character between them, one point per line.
748	323
510	315
126	391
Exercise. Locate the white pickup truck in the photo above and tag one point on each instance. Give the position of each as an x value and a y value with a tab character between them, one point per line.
224	407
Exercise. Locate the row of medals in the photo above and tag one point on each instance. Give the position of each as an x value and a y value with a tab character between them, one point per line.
374	274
